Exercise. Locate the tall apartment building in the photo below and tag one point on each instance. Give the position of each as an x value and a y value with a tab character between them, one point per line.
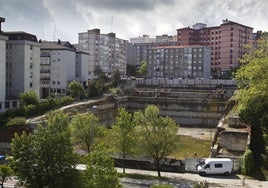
226	41
105	51
57	68
22	64
179	62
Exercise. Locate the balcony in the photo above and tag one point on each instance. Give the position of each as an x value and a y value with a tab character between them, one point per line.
45	71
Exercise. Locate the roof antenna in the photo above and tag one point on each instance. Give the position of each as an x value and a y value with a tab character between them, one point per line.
54	36
112	23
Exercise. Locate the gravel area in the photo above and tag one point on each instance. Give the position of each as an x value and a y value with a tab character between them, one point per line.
201	133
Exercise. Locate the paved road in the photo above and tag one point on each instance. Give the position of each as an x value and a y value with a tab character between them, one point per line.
187	180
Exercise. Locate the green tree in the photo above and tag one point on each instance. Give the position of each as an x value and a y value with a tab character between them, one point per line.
46	157
5	171
123	133
253	94
76	89
86	131
143	68
100	172
115	78
28	98
158	134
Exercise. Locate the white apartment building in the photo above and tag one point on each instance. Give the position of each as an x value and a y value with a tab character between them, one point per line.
105	51
179	62
57	68
22	64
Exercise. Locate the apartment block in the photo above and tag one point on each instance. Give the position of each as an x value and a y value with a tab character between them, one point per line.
179	62
105	51
57	68
226	41
139	46
22	64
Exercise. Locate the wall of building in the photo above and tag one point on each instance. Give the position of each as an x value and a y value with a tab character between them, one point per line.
81	69
62	70
23	72
179	62
2	68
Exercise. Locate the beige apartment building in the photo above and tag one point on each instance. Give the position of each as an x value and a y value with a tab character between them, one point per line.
226	42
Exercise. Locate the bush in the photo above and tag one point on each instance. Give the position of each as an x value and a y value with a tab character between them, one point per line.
31	110
247	162
203	184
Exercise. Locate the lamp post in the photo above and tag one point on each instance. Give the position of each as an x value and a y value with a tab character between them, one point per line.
94	108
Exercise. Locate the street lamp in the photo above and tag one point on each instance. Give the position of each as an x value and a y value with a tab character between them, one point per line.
94	108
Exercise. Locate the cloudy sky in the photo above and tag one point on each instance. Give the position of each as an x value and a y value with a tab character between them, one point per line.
64	19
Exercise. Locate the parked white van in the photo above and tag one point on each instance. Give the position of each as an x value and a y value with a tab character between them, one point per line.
215	166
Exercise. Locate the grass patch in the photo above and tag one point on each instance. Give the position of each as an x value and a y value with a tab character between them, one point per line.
16	121
189	147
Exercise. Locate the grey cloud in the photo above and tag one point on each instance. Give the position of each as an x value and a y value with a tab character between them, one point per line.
27	15
126	5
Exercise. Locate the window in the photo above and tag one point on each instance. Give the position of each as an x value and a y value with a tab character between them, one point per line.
218	165
31	84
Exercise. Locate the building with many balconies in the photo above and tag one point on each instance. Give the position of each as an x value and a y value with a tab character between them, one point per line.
179	62
226	41
57	68
105	51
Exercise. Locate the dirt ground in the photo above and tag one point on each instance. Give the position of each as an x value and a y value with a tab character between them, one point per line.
201	133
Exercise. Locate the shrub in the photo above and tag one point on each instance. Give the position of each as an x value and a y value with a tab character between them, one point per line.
247	162
203	184
31	110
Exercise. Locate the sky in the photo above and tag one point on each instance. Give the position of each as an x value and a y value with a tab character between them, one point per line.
64	19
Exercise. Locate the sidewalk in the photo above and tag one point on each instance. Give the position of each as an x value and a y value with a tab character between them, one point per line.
189	179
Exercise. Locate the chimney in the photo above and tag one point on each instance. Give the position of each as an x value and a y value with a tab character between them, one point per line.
1	20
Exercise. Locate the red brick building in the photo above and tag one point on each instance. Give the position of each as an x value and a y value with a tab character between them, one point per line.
226	41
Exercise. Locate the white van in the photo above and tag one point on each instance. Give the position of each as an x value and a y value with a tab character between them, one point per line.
215	166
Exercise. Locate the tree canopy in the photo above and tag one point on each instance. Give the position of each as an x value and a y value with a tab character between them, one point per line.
123	133
253	94
158	134
143	68
86	131
76	89
5	171
46	158
29	98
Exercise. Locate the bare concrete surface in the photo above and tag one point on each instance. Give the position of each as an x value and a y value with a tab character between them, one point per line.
201	133
188	179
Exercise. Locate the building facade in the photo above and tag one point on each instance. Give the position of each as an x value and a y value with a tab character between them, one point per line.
179	62
3	40
57	68
105	51
81	67
139	46
226	41
22	64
